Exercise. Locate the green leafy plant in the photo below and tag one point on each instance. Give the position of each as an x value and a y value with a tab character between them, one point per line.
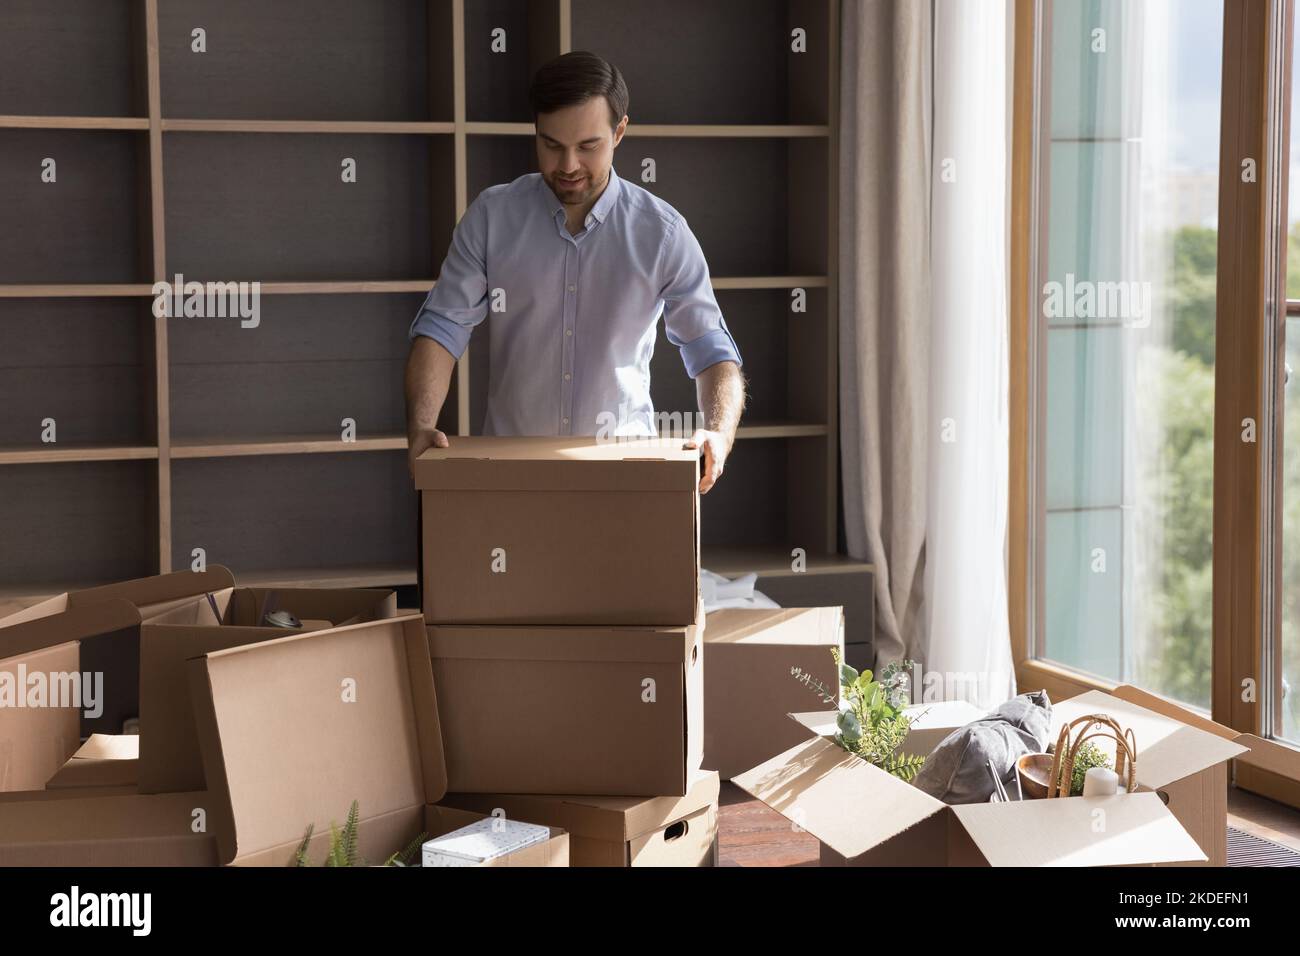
1088	755
874	725
343	844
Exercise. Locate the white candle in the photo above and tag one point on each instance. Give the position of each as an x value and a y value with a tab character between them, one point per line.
1100	782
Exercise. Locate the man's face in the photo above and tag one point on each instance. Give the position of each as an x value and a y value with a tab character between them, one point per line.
575	148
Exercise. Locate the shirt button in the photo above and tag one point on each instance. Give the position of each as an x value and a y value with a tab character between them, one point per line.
572	288
564	421
566	376
568	331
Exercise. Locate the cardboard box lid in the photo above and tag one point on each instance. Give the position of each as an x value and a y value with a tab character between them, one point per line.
282	748
1120	830
846	803
59	623
560	643
608	818
1167	749
537	463
790	625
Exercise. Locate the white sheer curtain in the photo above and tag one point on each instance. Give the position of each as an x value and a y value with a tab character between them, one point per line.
967	642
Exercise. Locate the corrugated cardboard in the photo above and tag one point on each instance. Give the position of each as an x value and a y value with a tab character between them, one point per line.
117	654
105	760
169	753
565	709
104	827
588	533
1181	755
866	817
36	741
748	686
619	831
293	730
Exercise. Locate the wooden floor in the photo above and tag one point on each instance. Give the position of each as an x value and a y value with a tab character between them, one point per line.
750	834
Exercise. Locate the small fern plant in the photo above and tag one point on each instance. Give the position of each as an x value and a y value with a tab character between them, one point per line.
874	725
343	844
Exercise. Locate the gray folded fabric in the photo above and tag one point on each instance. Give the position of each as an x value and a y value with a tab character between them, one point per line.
958	769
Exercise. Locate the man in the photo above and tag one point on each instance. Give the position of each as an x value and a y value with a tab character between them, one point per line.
575	265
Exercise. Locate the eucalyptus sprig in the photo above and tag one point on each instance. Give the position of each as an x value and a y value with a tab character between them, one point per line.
873	726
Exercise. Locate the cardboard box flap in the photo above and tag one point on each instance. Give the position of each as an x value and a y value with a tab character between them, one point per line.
109	747
1167	749
558	643
294	729
845	802
1121	830
804	625
63	626
496	463
61	817
1151	701
239	606
155	594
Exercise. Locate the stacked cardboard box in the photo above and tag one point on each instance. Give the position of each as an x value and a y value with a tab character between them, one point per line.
560	583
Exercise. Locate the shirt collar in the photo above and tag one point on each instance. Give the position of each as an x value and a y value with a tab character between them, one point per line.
598	211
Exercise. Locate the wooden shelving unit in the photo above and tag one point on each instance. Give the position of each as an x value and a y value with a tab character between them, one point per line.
224	165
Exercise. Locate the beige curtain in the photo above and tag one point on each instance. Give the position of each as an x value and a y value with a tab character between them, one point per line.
885	161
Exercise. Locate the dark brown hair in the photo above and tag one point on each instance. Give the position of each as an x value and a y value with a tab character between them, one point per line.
574	78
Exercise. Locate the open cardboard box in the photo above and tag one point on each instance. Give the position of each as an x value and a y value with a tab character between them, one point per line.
105	760
559	710
105	826
541	530
169	749
1182	756
748	687
864	816
619	831
113	652
292	730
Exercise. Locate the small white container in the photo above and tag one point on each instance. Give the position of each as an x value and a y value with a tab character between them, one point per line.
482	841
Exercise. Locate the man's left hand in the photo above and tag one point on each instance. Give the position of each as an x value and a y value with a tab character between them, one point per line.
713	448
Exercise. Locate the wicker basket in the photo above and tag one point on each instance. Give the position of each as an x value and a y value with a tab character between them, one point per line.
1058	784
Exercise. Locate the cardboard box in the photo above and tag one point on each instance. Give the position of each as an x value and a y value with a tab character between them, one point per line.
40	647
116	654
559	531
619	831
292	730
749	690
1181	756
594	710
169	749
866	817
105	760
104	827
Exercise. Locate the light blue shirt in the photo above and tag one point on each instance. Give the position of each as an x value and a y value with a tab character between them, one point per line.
574	317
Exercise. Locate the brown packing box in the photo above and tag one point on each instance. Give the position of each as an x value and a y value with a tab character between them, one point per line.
292	730
45	640
116	654
748	686
105	760
559	531
105	826
169	751
866	817
1181	756
558	710
619	831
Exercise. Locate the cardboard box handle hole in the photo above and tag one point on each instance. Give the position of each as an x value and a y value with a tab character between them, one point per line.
1164	797
676	831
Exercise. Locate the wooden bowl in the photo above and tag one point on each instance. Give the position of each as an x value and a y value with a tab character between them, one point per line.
1035	772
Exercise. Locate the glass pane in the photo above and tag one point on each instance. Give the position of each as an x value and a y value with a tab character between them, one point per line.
1289	656
1127	276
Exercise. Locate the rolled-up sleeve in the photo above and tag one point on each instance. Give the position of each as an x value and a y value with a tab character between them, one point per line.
458	300
692	319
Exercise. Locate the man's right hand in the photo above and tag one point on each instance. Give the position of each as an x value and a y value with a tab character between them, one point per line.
421	442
